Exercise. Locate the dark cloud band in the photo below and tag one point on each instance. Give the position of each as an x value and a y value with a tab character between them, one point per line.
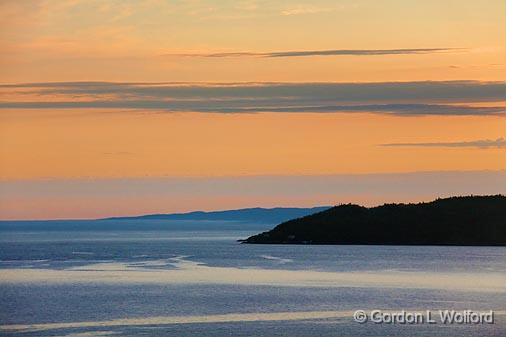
399	98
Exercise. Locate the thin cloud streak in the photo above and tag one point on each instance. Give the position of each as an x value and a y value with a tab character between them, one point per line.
481	143
330	52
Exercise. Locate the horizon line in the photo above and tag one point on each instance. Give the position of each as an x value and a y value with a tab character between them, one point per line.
127	217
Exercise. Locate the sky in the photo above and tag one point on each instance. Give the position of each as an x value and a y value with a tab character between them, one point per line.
112	108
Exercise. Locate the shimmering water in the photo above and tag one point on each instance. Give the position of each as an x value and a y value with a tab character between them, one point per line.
193	279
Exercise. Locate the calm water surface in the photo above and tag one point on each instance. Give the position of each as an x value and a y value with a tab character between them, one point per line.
159	278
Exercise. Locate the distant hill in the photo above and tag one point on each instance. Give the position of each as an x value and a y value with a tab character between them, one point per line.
471	220
269	215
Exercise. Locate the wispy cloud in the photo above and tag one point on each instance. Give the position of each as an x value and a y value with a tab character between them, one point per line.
398	98
305	9
481	143
325	52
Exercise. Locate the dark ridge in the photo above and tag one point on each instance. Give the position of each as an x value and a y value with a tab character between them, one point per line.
459	221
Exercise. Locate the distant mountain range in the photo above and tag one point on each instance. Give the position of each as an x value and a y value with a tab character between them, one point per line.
251	219
471	220
269	215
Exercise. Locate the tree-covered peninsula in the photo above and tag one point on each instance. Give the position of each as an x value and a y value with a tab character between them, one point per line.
469	220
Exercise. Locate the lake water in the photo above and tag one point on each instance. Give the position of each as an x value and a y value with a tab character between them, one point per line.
110	278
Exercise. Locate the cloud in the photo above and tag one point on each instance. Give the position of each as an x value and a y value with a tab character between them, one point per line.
398	98
422	91
237	107
298	11
330	52
481	143
303	9
395	109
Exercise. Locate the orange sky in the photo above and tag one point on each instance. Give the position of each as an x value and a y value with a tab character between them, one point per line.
187	127
69	144
75	40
